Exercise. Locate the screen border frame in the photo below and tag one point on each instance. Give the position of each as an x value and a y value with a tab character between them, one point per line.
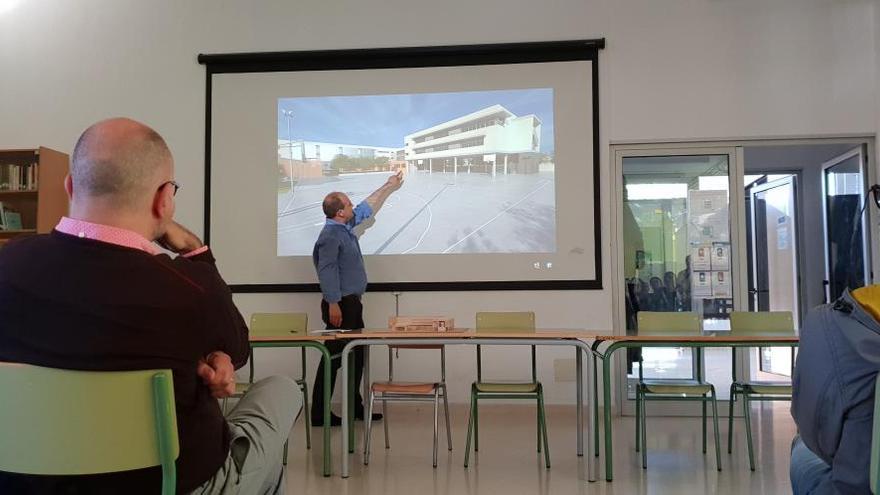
412	57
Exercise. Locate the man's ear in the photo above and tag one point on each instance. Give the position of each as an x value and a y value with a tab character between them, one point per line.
68	186
163	203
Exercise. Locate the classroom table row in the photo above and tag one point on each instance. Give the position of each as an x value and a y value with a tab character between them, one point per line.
594	346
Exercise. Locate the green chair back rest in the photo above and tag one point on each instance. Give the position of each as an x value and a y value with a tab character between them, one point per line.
654	323
63	422
506	322
762	323
278	324
875	442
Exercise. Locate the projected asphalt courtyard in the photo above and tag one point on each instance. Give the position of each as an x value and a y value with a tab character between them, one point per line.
436	213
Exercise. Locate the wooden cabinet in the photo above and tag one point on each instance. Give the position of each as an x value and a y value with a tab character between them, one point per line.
32	185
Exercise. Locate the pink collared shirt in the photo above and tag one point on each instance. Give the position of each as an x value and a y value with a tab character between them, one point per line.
114	235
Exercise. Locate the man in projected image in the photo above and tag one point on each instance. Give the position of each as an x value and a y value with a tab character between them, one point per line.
340	266
98	293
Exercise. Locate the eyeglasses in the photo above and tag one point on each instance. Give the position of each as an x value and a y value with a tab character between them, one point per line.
173	183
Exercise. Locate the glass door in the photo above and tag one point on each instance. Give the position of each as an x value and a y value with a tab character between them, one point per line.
843	189
773	251
677	256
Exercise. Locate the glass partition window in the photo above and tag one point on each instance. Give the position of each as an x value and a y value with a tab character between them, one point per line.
677	245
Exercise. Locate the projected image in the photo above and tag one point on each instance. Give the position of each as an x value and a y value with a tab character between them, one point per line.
478	170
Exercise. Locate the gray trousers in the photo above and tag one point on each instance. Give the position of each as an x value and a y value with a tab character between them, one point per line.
260	424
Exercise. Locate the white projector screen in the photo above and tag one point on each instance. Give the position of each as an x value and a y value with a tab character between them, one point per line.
497	144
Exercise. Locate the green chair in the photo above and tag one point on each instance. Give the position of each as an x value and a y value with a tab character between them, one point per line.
62	422
746	324
875	442
280	325
673	324
512	323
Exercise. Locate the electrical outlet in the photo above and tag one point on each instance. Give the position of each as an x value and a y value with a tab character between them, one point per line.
564	370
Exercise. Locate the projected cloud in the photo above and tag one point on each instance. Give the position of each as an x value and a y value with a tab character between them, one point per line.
479	170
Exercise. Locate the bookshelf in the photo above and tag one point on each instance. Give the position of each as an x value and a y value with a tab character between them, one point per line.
32	185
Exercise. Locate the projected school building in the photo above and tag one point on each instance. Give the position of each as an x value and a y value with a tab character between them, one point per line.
492	140
479	178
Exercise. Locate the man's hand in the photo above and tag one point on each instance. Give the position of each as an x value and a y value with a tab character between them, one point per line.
178	239
335	314
217	372
396	180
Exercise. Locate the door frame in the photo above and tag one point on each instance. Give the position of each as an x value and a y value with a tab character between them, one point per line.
867	221
620	149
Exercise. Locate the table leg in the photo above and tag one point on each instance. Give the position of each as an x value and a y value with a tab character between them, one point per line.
580	402
352	387
606	395
345	406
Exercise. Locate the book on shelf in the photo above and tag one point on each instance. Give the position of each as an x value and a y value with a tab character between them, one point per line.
19	177
12	219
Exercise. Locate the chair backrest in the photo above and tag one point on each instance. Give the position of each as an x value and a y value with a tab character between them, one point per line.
278	324
63	422
763	323
875	442
656	323
396	348
505	322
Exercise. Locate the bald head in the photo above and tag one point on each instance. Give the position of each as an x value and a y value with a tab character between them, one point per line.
121	162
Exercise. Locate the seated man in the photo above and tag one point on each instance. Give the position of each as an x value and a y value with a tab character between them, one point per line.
833	395
98	294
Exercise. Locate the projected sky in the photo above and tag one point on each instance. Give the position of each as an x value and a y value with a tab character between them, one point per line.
383	120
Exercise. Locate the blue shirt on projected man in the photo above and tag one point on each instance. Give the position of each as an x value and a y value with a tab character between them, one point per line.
338	259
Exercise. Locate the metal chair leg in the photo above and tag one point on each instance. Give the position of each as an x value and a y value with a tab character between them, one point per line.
446	415
467	447
644	422
638	418
748	420
543	421
703	404
715	423
476	399
385	423
730	418
305	390
436	401
368	428
538	423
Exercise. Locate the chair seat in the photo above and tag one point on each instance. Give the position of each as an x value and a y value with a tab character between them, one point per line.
507	388
767	388
683	387
404	387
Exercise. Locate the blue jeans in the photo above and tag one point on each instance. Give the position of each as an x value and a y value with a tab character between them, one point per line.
809	474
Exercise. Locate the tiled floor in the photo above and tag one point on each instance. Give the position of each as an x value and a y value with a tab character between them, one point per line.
509	464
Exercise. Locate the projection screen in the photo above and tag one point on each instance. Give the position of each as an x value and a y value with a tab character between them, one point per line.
497	145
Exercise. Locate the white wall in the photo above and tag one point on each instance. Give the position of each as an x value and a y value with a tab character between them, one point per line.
677	69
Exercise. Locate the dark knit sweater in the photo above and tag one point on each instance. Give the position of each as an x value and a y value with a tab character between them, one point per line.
68	302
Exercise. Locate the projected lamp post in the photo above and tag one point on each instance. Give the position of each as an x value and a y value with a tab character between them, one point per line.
289	115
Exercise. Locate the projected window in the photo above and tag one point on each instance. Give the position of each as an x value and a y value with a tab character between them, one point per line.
479	170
